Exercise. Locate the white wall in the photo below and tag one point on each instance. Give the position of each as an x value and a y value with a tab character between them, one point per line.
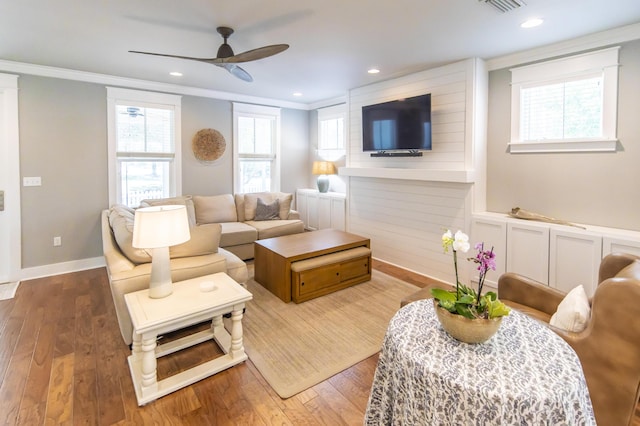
406	214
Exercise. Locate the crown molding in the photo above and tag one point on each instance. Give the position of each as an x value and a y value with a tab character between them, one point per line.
591	41
110	80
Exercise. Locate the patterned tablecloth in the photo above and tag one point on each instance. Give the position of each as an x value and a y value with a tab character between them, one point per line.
524	375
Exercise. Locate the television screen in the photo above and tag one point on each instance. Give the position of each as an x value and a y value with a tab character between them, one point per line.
404	124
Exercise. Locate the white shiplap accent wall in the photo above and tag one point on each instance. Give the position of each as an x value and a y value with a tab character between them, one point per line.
405	218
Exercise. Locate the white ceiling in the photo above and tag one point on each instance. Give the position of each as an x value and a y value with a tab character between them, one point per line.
333	42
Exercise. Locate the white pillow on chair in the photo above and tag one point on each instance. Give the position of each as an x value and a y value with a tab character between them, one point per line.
573	312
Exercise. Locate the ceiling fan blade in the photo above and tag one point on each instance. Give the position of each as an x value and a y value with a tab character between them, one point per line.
174	56
237	71
255	54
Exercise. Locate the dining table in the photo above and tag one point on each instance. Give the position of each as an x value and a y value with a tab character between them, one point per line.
524	375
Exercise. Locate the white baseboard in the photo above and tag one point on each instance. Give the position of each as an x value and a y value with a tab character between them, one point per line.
61	268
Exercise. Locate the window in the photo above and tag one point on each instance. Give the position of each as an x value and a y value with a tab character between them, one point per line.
256	134
331	132
567	104
144	146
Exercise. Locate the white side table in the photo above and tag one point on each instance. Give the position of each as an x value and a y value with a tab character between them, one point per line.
187	305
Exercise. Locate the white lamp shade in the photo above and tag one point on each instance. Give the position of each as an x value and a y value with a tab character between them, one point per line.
160	226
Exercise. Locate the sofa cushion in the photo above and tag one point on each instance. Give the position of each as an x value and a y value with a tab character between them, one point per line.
121	221
215	208
204	239
573	312
239	198
266	211
237	233
185	200
276	228
251	203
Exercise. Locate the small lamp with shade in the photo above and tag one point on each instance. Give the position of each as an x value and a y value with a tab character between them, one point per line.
157	228
323	168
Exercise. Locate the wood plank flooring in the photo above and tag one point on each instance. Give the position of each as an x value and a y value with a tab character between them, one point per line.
63	362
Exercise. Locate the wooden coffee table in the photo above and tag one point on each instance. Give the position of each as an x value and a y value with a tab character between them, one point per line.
274	257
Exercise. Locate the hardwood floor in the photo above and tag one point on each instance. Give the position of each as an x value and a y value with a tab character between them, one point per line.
63	362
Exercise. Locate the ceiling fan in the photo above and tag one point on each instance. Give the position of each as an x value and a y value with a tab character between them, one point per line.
133	112
227	59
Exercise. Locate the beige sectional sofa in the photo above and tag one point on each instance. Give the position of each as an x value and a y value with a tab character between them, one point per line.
241	227
213	247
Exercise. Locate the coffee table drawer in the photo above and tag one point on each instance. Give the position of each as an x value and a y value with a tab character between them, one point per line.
355	268
315	279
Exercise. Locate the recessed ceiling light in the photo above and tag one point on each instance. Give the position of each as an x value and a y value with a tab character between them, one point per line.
297	94
175	74
534	22
373	71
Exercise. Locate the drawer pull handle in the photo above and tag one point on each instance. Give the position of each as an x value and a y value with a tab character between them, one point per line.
302	283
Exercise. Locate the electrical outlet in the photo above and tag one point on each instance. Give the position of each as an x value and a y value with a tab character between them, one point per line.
57	241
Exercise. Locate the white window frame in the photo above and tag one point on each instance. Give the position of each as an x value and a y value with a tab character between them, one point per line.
118	96
257	111
330	113
603	62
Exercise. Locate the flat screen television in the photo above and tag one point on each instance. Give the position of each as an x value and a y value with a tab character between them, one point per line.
403	124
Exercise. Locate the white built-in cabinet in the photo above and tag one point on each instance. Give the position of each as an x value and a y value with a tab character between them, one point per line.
560	256
321	210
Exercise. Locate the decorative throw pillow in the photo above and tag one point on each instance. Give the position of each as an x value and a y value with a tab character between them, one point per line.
251	202
121	219
573	312
269	211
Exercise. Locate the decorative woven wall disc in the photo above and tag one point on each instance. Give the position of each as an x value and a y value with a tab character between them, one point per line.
208	145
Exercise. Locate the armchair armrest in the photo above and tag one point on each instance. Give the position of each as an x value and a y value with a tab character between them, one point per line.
525	291
614	263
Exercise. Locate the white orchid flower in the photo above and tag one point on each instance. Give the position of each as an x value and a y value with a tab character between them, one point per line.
461	242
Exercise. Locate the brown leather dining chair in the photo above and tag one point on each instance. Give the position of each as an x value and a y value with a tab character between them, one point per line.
609	346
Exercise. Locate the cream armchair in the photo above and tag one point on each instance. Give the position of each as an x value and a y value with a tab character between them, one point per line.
609	347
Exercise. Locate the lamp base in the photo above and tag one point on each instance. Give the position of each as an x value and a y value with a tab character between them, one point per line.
323	183
160	285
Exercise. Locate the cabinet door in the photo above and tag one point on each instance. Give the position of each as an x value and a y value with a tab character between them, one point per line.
312	211
302	207
338	213
620	245
324	212
528	250
493	233
574	259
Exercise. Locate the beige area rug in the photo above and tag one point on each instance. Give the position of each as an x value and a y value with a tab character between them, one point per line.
8	290
295	346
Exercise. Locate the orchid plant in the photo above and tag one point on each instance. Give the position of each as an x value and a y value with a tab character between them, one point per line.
464	300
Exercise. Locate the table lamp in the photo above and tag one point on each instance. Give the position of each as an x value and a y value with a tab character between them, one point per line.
157	228
323	168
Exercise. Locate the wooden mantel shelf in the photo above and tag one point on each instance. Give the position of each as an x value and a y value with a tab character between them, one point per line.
457	176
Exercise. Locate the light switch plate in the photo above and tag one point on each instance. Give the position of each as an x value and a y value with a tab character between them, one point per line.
31	181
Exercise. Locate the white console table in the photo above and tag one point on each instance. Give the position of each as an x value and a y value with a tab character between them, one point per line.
187	305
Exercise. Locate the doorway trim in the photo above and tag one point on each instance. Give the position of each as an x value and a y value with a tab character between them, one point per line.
11	246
